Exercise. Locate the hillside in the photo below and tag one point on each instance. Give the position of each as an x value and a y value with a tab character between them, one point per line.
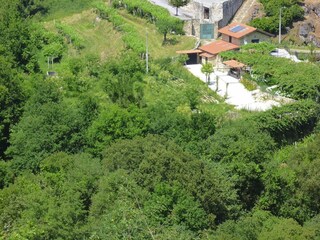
308	30
97	141
300	30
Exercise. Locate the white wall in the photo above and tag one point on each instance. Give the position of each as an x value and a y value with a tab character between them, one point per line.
255	35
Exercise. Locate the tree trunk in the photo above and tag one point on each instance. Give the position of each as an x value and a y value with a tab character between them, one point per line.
217	83
176	11
164	37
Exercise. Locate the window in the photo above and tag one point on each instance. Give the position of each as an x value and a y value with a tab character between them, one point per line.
206	13
255	40
230	39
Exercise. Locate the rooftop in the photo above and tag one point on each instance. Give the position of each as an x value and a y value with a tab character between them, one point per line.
234	64
189	51
218	47
237	30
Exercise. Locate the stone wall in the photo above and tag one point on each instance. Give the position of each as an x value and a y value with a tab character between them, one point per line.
229	9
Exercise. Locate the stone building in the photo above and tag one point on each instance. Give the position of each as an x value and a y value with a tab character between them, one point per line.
205	17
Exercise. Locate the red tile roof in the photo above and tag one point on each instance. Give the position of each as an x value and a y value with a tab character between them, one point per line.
244	30
189	51
234	64
218	47
207	55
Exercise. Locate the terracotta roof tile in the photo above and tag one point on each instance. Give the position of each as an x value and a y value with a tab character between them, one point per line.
207	55
189	51
218	47
237	30
234	64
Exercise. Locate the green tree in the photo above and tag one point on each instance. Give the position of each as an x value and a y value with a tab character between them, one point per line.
16	36
286	229
49	124
244	148
53	204
263	225
207	69
29	8
116	211
173	205
178	3
291	188
167	25
116	123
123	80
153	159
12	99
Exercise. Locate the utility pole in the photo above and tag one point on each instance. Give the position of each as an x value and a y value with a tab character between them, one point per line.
280	24
147	53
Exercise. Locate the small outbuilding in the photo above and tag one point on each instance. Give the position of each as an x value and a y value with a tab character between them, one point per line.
235	68
193	55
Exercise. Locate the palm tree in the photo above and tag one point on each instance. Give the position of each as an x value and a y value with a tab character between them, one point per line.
207	69
178	3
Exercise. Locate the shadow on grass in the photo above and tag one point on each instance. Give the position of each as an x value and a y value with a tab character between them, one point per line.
170	41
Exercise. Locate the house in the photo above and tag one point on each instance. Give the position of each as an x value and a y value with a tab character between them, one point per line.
232	37
242	34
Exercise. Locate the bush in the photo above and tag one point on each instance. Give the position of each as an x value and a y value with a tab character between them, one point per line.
248	84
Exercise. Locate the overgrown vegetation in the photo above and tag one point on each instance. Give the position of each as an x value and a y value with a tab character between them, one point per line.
105	150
